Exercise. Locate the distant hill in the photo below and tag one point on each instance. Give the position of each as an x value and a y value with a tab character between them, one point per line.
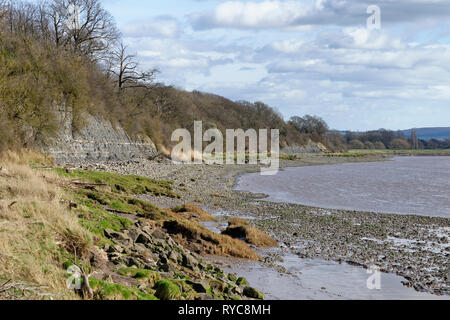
430	133
440	133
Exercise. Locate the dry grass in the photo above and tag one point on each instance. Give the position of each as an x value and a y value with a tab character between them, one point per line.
237	222
241	229
37	231
193	212
195	237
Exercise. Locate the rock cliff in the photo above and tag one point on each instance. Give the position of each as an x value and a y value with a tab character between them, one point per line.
98	140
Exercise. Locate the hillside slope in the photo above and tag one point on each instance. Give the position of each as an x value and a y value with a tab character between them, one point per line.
430	133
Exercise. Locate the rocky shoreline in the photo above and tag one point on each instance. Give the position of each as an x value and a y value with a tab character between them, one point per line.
414	247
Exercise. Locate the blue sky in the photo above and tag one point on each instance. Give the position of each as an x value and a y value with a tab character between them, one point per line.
302	57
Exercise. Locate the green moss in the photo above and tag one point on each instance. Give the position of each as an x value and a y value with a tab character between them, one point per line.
253	293
232	277
104	290
144	276
167	290
188	292
241	281
127	184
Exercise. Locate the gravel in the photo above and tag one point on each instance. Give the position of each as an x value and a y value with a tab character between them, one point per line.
414	247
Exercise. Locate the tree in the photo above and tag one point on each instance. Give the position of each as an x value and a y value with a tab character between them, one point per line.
399	144
125	69
356	144
380	145
310	125
414	140
84	25
369	145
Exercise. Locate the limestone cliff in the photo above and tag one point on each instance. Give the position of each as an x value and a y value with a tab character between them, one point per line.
98	140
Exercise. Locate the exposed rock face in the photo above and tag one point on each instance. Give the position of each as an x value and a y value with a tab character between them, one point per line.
98	140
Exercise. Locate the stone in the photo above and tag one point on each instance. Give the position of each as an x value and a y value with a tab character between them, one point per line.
143	238
159	234
199	286
253	293
99	140
111	234
188	261
204	297
175	256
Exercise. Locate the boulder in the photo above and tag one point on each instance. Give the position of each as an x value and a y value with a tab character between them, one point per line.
253	293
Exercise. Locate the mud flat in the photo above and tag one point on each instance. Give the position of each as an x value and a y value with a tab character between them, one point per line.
414	248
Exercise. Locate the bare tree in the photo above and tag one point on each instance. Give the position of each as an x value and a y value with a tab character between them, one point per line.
56	16
94	32
125	69
414	139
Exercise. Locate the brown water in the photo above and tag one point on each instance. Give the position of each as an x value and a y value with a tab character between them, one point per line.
404	185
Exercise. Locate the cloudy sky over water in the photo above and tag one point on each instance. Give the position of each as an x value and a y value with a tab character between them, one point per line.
303	57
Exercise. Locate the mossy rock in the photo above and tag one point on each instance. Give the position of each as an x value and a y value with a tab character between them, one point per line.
241	281
126	184
232	277
142	275
104	290
253	293
167	290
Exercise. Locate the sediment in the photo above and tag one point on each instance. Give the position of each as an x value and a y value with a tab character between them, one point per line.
414	247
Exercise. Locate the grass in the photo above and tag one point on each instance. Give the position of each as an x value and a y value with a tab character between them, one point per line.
367	152
124	184
290	157
40	232
193	212
182	221
37	231
148	277
104	290
241	229
167	290
346	155
203	241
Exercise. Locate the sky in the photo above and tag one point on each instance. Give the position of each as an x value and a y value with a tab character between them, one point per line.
302	57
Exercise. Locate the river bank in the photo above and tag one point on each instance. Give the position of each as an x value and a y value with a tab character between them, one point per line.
414	247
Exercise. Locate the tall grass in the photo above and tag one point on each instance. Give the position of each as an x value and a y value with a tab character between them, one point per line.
37	231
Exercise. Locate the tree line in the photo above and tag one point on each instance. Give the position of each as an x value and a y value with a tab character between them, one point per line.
70	53
388	139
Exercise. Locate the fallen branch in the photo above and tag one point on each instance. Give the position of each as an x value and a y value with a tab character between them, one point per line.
12	204
3	286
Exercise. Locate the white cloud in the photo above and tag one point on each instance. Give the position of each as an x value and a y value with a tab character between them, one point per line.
287	14
162	26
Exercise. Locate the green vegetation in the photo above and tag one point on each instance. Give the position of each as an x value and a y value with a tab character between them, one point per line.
395	141
112	192
167	290
130	185
290	157
45	67
110	291
347	155
144	276
241	281
253	293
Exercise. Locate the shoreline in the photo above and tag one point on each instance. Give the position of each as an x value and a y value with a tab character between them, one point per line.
358	238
